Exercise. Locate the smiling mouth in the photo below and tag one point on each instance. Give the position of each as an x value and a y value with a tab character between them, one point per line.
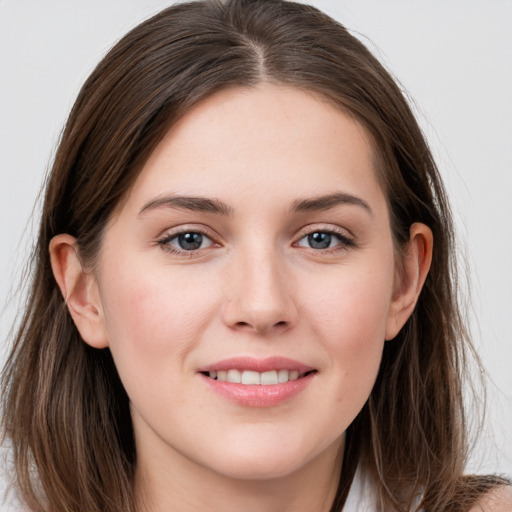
249	377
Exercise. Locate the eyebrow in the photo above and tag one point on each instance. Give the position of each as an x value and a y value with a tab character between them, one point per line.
203	204
329	201
196	204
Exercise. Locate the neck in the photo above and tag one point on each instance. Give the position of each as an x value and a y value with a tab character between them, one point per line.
182	486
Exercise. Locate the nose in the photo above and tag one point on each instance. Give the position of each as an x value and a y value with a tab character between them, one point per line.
259	298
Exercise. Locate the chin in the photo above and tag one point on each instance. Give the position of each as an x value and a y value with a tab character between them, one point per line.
268	468
269	461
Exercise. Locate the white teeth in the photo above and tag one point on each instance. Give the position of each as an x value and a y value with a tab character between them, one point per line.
283	376
268	378
250	377
234	376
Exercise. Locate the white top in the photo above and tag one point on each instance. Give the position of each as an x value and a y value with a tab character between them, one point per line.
361	497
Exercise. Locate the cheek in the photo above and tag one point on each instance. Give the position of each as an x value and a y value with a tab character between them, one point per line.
154	313
352	310
350	318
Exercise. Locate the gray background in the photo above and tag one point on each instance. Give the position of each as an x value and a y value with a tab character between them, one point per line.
453	57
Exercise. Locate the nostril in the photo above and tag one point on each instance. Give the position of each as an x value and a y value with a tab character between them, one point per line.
260	328
242	324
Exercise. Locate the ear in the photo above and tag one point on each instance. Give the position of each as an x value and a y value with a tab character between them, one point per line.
410	279
79	289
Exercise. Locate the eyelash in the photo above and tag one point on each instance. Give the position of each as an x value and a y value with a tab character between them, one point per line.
345	242
164	242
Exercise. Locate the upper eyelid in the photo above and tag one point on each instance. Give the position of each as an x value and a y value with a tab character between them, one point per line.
171	236
187	228
324	228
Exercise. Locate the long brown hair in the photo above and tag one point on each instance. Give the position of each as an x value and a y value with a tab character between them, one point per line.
64	407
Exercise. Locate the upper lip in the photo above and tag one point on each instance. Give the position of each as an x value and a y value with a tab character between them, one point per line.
257	365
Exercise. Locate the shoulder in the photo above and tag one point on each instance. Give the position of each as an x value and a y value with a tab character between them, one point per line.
498	500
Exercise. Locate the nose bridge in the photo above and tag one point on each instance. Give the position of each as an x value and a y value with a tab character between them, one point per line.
259	297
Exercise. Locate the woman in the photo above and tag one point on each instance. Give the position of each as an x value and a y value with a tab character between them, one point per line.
249	289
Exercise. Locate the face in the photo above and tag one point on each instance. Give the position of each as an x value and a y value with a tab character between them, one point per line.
247	284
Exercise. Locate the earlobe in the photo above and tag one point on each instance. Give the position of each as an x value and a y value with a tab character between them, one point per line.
79	289
409	281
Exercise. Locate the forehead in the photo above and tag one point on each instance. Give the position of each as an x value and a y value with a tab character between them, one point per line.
272	137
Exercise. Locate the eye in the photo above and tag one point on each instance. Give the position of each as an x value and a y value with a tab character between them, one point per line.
186	241
320	240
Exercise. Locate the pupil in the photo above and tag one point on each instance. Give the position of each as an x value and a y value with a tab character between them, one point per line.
190	241
319	240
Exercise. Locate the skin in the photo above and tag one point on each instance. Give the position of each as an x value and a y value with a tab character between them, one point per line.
498	500
255	287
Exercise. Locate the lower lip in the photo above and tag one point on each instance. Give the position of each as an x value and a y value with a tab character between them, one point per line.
259	395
